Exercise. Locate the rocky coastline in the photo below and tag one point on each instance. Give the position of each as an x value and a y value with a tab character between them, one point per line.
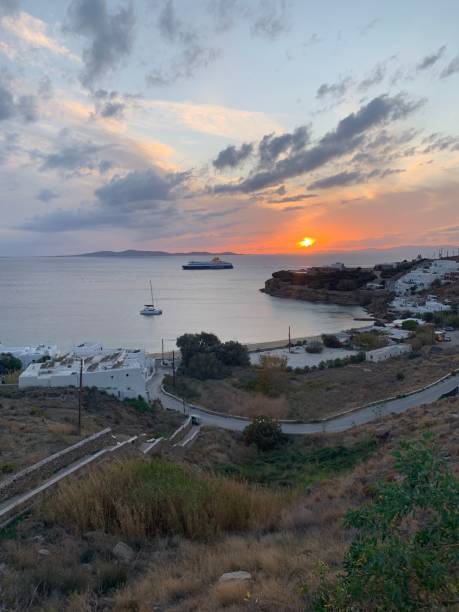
307	287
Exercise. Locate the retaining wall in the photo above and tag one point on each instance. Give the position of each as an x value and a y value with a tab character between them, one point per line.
181	431
29	476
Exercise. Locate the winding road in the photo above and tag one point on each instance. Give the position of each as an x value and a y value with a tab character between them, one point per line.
340	423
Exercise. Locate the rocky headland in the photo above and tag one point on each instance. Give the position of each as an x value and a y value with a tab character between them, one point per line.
346	287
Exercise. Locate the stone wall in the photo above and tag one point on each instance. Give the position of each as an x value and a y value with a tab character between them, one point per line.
31	475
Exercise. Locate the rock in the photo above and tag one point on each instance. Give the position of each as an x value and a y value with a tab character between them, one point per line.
123	552
382	433
239	576
44	552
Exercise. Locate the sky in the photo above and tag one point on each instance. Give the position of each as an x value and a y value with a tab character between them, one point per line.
243	125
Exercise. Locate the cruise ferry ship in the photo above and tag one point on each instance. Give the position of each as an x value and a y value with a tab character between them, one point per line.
214	264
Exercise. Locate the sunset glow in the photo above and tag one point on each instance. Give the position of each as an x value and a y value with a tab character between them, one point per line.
306	242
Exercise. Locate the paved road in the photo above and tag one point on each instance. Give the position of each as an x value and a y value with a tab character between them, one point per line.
341	423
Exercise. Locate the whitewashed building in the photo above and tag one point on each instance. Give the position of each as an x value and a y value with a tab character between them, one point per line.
122	372
387	352
29	354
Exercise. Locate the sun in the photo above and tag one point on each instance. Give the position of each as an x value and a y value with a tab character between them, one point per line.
306	242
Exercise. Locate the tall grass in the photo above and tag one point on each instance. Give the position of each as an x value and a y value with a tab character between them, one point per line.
137	498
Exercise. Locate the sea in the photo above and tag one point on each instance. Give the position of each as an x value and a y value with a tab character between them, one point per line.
67	300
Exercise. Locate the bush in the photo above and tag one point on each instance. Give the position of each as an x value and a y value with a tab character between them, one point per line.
423	336
369	341
9	363
233	354
410	325
136	499
206	365
404	554
204	356
314	347
139	404
331	341
400	376
265	433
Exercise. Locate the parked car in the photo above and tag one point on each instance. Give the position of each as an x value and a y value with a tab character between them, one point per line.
449	328
195	420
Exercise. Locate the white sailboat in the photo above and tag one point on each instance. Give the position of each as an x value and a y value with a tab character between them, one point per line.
150	309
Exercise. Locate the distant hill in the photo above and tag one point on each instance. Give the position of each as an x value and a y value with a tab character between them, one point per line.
135	253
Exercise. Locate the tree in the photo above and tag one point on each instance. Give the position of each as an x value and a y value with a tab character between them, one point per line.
9	363
410	325
191	344
233	353
405	552
265	433
206	365
331	341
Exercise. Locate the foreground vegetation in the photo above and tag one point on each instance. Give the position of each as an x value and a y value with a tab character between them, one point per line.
137	499
405	555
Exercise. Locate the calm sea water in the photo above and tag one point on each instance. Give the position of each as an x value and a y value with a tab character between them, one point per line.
68	300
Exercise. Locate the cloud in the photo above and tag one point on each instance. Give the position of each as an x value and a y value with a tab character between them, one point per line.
440	142
429	60
193	54
139	199
9	7
33	32
224	13
271	19
46	195
271	146
74	157
12	106
344	139
110	35
335	90
293	208
369	26
374	78
109	104
231	157
337	180
140	188
451	68
295	198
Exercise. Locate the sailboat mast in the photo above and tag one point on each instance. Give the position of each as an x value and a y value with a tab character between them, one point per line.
151	292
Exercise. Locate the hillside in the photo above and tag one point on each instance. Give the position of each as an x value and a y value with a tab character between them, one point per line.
53	560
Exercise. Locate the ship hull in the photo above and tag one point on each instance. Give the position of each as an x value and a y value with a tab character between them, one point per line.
208	267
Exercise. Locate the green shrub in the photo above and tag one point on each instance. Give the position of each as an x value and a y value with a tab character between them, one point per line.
9	363
400	376
410	325
265	433
314	347
404	555
369	341
136	499
140	404
331	341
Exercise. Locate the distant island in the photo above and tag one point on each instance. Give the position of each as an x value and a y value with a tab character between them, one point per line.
135	253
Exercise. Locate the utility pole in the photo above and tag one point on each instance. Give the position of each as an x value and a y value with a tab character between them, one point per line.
184	405
80	386
289	341
173	368
162	351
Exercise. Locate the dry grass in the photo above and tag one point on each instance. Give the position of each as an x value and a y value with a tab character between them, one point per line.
137	499
231	593
323	393
39	422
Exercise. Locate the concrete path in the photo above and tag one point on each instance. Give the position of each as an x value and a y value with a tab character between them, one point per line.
340	423
15	503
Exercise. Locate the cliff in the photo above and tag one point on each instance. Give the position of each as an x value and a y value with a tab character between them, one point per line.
344	287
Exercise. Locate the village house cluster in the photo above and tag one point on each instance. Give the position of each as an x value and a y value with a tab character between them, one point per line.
122	372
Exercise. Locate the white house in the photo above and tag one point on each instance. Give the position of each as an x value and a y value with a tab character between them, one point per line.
29	354
121	372
387	352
